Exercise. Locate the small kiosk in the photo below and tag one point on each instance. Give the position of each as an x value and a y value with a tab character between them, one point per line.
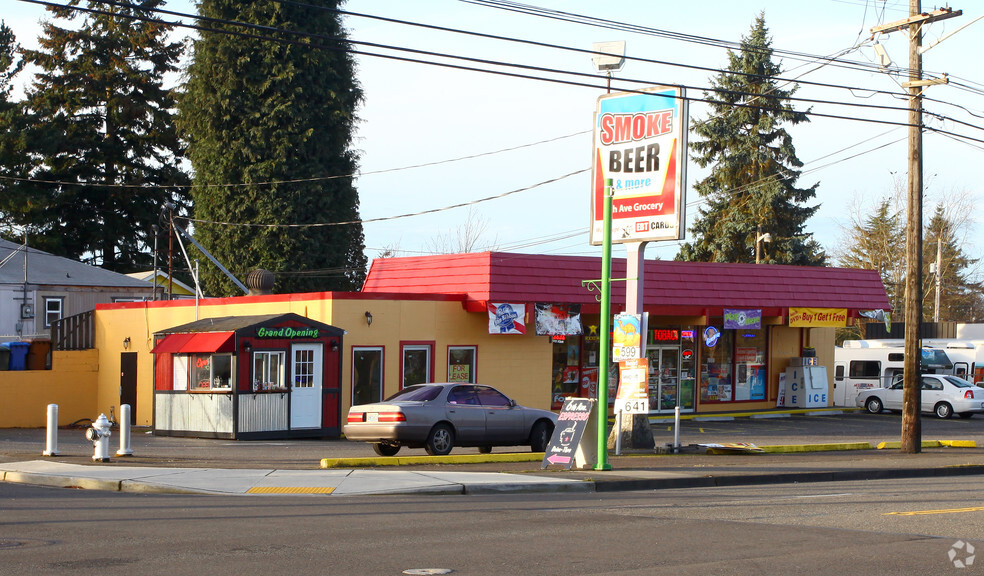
248	377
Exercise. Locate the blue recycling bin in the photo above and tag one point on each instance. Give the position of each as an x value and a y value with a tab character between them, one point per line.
18	355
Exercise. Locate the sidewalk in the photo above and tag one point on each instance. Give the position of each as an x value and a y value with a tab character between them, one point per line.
193	466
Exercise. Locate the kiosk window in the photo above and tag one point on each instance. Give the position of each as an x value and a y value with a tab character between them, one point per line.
268	370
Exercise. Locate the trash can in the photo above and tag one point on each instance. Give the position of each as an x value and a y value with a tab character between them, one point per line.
18	355
37	354
4	356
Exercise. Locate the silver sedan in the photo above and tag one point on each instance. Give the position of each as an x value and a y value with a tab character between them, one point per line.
941	394
440	416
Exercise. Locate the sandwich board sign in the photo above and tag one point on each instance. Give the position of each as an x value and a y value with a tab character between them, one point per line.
571	424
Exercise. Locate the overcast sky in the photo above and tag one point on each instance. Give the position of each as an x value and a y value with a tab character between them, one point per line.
421	114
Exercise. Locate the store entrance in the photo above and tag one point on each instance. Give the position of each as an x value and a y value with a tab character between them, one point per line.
665	390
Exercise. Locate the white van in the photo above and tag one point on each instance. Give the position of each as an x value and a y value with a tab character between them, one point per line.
864	364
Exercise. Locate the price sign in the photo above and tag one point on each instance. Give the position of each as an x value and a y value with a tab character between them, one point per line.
633	389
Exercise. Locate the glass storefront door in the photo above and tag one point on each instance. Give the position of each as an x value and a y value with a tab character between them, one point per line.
664	379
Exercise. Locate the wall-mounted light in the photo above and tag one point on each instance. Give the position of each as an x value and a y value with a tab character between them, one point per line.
334	345
248	347
126	343
368	318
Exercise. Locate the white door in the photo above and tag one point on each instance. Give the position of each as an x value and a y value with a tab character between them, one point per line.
305	391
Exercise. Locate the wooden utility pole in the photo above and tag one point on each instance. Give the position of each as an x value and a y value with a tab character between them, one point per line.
911	394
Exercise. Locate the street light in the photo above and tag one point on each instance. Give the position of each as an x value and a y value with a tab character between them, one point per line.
759	238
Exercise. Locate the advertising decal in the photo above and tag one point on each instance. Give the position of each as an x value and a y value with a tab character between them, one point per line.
742	319
558	319
640	143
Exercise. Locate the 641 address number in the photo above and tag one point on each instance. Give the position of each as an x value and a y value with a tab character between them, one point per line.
632	406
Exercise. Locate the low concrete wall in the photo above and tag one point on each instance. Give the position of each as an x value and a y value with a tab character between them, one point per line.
71	383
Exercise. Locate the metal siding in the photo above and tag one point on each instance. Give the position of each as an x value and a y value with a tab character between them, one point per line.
194	412
262	412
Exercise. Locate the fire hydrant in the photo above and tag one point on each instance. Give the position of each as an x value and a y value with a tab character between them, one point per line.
99	435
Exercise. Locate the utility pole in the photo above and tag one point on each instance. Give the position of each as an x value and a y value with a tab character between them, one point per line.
911	396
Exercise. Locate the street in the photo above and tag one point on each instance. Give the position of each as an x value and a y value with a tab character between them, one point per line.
874	527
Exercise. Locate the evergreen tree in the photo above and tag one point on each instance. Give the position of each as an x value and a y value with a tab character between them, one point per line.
100	126
753	166
269	126
878	243
12	136
960	296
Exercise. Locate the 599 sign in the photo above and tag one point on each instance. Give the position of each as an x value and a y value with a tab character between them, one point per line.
632	406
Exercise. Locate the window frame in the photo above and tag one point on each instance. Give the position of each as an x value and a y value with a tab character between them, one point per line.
473	371
406	346
48	311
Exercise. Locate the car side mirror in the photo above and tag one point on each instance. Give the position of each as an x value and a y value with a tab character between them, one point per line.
512	403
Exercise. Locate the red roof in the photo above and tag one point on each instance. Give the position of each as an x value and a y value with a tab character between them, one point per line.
671	288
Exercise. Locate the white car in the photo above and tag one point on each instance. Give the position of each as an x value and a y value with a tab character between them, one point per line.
942	394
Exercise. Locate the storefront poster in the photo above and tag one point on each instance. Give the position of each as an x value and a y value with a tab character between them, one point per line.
459	373
558	319
633	388
817	317
626	337
742	319
507	318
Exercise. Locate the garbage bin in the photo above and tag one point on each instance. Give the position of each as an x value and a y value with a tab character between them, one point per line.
18	355
4	356
37	354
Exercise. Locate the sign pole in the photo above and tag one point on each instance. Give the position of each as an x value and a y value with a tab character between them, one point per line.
606	333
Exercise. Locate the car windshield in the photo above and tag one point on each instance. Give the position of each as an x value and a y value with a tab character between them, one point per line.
958	382
418	393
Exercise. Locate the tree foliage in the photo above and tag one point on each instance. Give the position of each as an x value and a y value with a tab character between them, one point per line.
960	294
753	165
269	126
100	141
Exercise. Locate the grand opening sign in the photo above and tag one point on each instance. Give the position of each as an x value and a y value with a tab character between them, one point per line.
640	143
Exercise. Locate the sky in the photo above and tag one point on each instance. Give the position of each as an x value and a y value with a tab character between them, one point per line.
514	154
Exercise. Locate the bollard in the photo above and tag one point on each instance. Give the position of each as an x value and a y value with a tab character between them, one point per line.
124	431
676	430
51	446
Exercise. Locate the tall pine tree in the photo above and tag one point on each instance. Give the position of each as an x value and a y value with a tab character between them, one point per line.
753	166
877	242
960	295
269	126
103	146
13	140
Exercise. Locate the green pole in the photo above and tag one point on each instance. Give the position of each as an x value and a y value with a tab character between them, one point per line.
606	331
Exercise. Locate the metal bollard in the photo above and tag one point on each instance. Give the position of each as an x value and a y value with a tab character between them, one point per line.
51	445
124	431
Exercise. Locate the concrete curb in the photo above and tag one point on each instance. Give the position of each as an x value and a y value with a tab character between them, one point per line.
412	460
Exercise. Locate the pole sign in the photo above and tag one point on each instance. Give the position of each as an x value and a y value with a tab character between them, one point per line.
640	142
571	423
627	337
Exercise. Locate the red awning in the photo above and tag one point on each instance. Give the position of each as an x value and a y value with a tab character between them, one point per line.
195	343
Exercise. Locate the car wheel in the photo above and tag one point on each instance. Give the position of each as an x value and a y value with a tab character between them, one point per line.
540	436
385	449
440	441
943	410
484	449
873	405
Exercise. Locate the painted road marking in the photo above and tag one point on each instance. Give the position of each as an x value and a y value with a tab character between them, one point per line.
293	490
927	512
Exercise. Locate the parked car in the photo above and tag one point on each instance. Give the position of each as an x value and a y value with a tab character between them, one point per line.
942	394
440	416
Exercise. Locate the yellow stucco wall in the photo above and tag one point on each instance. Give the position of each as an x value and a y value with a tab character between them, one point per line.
71	384
520	369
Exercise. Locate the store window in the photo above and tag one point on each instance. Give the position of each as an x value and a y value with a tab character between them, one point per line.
567	366
461	363
269	370
416	367
367	375
54	309
210	372
716	347
750	351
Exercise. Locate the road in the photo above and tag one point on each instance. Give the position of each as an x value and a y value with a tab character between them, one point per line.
875	527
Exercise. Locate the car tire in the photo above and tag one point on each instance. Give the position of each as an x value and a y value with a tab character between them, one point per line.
484	449
943	410
540	436
385	449
440	441
873	405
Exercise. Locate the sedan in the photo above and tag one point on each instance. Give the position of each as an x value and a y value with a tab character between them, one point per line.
440	416
941	394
